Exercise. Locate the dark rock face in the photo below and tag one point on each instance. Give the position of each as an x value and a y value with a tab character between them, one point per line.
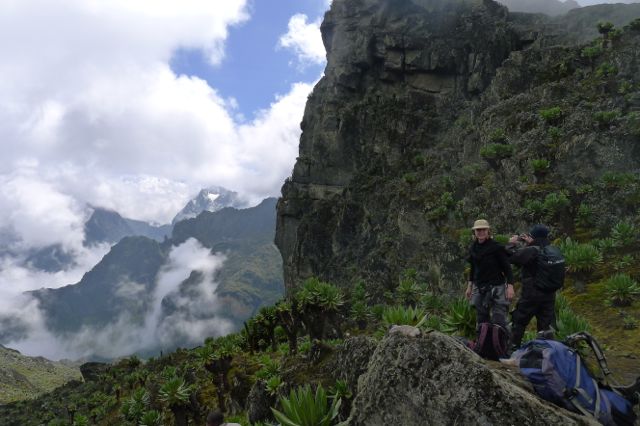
394	68
391	175
91	371
433	380
259	403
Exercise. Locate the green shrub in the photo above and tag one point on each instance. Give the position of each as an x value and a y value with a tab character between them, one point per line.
461	319
605	245
624	234
501	238
584	215
409	292
273	385
551	115
605	28
621	289
606	70
556	202
534	208
616	180
151	418
135	406
340	390
269	368
410	178
360	311
496	151
432	302
304	408
540	165
401	315
581	257
555	133
625	262
568	322
605	118
633	123
498	136
591	52
634	25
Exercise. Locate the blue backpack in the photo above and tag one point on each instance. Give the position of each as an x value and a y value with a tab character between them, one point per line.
559	375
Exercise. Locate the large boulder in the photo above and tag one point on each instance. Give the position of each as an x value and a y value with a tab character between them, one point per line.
433	379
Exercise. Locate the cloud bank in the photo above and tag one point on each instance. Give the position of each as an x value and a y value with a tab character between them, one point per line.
196	313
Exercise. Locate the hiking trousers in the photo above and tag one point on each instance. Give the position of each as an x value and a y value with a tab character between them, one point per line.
542	308
491	304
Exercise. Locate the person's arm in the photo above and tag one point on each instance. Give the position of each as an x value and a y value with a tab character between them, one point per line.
523	256
469	289
503	261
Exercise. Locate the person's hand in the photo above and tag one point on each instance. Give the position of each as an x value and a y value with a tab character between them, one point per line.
513	239
527	238
468	291
509	293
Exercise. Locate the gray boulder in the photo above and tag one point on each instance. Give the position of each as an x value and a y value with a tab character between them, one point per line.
434	380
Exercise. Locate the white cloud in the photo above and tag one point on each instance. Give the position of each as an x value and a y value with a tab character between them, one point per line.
305	40
198	314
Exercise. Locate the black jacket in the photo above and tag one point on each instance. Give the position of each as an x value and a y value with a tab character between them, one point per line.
525	257
489	264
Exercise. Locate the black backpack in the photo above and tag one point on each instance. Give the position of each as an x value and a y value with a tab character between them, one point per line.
550	269
492	342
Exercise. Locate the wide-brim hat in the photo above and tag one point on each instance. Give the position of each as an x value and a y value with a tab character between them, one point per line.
480	224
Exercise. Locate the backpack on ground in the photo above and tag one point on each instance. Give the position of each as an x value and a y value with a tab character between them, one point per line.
492	342
550	269
559	375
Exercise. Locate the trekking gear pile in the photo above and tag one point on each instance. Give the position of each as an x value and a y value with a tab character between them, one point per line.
559	375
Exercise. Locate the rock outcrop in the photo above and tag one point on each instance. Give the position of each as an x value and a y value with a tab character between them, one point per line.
434	380
399	150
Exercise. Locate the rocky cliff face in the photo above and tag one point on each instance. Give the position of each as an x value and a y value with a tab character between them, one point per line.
390	173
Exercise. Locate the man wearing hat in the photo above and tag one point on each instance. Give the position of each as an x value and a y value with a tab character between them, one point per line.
533	301
490	286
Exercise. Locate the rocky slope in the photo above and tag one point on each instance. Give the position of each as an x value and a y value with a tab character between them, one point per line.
26	377
391	172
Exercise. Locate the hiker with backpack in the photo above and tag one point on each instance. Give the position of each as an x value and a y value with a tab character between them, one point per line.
490	285
543	270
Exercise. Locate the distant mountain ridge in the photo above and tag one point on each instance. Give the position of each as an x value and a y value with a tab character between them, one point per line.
251	275
548	7
24	377
209	199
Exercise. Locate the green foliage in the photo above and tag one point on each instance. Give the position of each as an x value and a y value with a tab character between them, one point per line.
269	368
551	115
624	262
605	245
151	418
359	292
498	136
624	234
340	390
273	385
496	151
134	408
605	28
634	25
556	202
410	177
606	69
581	257
433	302
461	319
633	123
605	118
614	180
174	393
304	408
408	292
534	208
402	315
569	322
540	165
584	215
591	52
555	133
360	312
621	289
